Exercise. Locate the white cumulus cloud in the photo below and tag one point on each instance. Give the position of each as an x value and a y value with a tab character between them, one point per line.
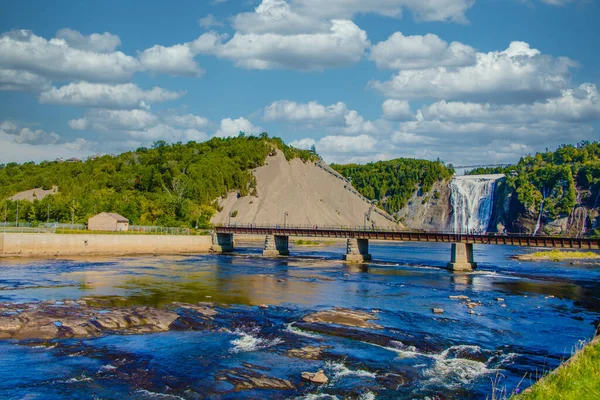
336	118
304	144
346	144
105	120
397	110
343	44
98	42
418	52
312	111
277	16
305	14
15	80
21	144
98	95
517	74
232	127
22	50
174	60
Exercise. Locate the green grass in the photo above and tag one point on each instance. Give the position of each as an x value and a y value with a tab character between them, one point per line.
557	255
577	379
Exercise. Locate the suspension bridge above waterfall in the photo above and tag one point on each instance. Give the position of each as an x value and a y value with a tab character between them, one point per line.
357	250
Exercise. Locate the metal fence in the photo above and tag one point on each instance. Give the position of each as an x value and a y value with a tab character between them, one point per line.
26	227
71	227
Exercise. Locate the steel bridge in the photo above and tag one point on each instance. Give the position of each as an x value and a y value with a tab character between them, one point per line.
277	238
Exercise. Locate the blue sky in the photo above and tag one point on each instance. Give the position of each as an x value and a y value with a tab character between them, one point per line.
467	81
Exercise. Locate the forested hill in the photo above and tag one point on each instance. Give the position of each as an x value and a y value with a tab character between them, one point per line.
559	183
393	182
169	185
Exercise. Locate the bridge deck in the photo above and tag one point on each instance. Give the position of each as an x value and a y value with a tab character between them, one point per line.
406	236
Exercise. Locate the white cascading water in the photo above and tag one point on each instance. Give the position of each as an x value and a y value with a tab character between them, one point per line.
472	198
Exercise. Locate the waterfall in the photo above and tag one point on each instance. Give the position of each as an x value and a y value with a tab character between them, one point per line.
538	224
472	198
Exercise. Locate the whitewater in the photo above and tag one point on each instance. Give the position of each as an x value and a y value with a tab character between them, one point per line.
472	199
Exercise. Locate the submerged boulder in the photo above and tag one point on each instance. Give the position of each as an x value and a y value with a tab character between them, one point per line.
246	379
343	316
307	352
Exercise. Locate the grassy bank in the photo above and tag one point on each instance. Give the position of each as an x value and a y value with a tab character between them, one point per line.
557	255
577	379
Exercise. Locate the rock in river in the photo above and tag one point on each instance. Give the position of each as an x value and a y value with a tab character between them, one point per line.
307	352
343	316
49	320
315	377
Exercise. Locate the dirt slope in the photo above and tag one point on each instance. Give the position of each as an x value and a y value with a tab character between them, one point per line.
34	194
309	194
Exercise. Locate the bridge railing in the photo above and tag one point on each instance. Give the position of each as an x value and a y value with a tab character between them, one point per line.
342	228
309	227
362	228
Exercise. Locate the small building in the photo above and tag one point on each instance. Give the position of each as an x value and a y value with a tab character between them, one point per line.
112	222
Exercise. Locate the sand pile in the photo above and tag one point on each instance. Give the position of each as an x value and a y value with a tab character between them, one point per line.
34	194
309	194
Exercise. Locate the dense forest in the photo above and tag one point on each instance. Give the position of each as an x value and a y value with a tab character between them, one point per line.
555	182
393	182
167	184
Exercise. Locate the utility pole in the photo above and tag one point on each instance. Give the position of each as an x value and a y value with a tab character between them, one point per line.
73	214
285	219
48	220
5	213
17	218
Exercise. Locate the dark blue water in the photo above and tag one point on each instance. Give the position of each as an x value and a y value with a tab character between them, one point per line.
549	309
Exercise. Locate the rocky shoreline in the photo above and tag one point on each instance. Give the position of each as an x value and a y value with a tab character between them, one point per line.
78	319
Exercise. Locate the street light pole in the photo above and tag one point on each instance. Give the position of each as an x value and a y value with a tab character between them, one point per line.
17	218
365	221
285	219
73	214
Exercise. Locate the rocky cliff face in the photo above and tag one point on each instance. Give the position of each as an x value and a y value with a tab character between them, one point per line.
510	215
430	211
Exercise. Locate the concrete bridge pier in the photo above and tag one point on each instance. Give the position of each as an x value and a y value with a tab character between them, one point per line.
357	250
462	257
222	242
276	245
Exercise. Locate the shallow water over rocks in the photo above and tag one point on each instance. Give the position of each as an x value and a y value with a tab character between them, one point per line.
369	328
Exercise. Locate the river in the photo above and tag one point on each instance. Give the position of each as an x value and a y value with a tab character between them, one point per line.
547	310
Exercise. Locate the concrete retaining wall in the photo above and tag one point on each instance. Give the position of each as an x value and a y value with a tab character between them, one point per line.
47	244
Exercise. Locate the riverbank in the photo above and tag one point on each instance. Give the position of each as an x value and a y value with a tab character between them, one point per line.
56	245
558	255
576	379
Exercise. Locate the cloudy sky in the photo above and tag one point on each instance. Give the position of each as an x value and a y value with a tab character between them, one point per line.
468	81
